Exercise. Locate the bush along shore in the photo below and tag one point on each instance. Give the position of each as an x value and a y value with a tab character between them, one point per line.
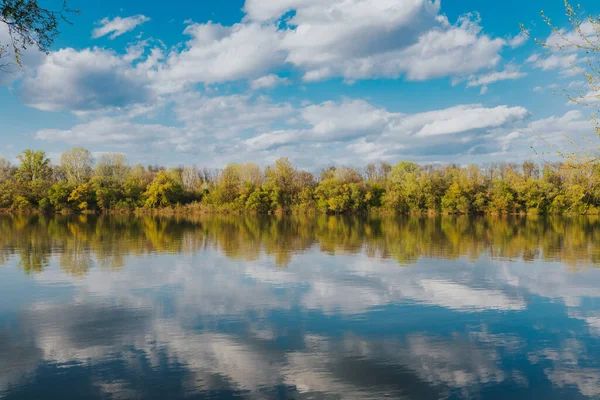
109	185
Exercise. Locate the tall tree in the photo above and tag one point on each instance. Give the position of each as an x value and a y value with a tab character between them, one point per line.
77	165
281	180
6	170
34	166
112	167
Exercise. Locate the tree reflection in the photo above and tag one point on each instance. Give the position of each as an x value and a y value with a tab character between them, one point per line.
80	241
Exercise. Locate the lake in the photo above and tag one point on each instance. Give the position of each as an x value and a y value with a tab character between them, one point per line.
299	307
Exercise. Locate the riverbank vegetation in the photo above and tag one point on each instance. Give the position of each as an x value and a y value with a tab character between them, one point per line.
78	184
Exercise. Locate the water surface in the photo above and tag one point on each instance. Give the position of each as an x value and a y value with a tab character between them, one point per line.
299	308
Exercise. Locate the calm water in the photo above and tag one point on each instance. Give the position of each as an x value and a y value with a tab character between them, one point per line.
323	308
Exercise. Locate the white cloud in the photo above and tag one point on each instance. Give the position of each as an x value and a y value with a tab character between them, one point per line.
568	40
457	119
540	89
118	26
217	53
566	63
87	80
329	121
457	50
555	130
375	132
589	98
568	50
228	116
510	73
115	132
518	40
384	38
354	39
265	10
548	136
228	128
268	82
9	70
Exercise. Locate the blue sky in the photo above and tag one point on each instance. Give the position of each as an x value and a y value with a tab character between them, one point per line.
322	82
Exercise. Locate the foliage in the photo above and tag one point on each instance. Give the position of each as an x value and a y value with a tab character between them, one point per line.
83	197
163	191
59	195
405	188
581	41
30	25
34	166
76	165
112	167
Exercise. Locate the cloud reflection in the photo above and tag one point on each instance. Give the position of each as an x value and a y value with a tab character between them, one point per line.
339	321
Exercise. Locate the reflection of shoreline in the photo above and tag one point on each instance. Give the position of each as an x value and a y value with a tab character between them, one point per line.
323	327
108	239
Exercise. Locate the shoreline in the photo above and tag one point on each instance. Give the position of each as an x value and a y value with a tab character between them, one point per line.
200	209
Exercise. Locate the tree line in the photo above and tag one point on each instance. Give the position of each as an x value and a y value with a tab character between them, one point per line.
78	183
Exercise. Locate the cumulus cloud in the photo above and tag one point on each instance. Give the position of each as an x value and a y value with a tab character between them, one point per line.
368	133
230	127
383	38
227	116
567	40
451	50
87	80
268	82
462	119
518	40
566	63
511	72
352	39
555	129
547	136
567	49
356	39
329	121
116	132
217	53
118	26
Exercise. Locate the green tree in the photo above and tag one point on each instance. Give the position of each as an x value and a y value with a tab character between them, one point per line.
163	191
34	177
404	193
58	195
77	165
341	190
83	197
34	166
280	181
7	184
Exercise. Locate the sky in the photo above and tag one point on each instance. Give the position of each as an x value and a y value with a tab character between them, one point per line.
322	82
